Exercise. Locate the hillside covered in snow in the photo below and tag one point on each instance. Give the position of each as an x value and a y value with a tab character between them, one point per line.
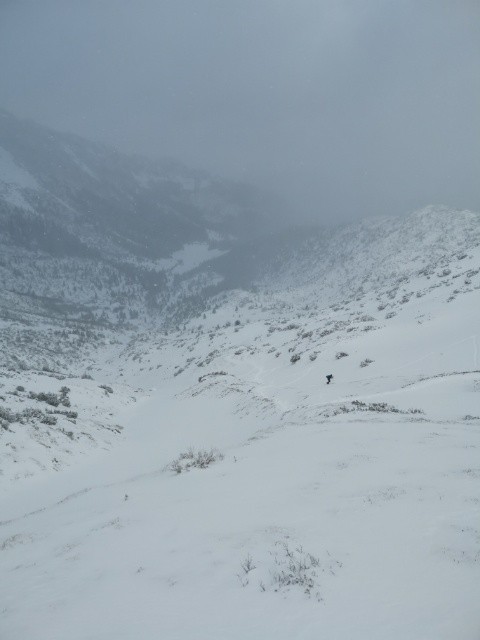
90	233
198	478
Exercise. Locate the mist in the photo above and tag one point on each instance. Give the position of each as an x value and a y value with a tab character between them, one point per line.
345	109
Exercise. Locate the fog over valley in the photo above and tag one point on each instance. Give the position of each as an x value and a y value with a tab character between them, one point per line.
345	109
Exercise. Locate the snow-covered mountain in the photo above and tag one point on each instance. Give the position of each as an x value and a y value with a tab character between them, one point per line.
203	480
92	233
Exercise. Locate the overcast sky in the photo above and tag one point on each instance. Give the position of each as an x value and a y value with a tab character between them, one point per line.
345	107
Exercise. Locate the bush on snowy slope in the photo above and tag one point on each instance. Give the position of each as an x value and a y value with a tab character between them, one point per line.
190	459
30	414
376	407
366	362
53	399
291	567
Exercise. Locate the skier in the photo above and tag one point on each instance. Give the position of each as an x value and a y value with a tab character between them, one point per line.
329	377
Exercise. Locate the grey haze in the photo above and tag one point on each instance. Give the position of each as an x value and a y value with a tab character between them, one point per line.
346	109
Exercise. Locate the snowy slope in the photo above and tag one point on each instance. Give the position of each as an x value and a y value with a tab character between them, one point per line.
348	510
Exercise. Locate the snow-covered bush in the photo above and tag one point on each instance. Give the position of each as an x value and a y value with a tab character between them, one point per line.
341	354
50	398
366	362
291	567
296	568
7	417
200	459
53	399
246	566
106	388
376	407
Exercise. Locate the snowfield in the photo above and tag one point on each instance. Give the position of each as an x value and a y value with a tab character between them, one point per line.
213	486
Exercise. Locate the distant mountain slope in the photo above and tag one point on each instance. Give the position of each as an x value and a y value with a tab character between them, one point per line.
331	265
91	235
379	250
121	228
139	206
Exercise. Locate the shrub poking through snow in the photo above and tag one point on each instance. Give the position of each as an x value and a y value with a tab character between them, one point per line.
190	459
247	566
376	407
381	407
290	568
341	354
30	414
7	417
50	398
296	569
53	399
106	389
366	362
64	399
295	358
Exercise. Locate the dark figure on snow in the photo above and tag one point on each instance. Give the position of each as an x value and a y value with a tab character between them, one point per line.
329	377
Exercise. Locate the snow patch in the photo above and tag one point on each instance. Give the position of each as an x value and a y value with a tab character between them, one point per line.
189	257
13	179
11	173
